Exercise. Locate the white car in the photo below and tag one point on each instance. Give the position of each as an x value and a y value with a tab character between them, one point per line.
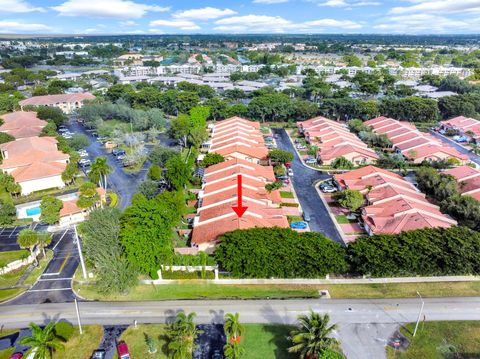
328	189
310	161
290	172
301	147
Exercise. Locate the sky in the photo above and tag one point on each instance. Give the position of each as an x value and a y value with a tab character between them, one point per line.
91	17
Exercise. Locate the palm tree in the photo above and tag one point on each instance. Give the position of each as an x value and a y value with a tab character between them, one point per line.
99	171
233	328
28	239
43	240
43	341
182	334
233	351
312	338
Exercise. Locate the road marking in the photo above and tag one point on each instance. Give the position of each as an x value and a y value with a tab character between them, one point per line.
53	279
2	230
63	235
12	231
57	273
63	263
49	290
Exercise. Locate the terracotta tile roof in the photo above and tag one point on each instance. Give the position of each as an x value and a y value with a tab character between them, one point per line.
22	124
38	170
344	149
235	141
259	153
461	122
236	120
54	99
432	149
233	169
462	172
359	173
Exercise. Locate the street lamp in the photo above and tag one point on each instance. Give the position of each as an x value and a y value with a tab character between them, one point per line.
419	314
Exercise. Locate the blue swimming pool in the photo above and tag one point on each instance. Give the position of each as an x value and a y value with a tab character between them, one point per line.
33	211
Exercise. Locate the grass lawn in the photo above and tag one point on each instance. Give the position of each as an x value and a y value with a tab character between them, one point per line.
285	194
449	339
342	219
6	294
135	339
292	219
8	257
5	332
263	341
5	353
81	346
192	290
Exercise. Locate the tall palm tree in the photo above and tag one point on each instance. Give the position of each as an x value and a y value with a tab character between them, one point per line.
99	171
233	351
233	328
182	334
44	239
43	341
28	239
312	338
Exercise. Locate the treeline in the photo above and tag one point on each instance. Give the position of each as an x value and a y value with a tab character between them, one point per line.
283	253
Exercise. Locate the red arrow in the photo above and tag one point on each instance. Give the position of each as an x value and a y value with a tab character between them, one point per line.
239	209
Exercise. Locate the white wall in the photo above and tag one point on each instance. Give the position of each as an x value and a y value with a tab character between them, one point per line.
41	184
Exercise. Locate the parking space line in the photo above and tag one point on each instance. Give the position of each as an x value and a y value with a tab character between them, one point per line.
47	274
52	279
63	235
13	231
3	228
49	290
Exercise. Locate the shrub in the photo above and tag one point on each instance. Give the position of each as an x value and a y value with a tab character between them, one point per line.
64	330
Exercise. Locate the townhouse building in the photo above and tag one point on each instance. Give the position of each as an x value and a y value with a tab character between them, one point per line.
22	124
468	180
465	126
334	140
68	103
413	144
392	204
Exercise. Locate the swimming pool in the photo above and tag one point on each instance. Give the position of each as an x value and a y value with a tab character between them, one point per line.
33	211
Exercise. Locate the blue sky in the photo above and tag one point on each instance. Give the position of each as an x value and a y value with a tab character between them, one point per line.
239	16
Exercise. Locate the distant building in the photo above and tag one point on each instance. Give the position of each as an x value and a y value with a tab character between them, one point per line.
22	124
68	103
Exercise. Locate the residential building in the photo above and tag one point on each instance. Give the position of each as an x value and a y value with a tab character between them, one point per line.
393	204
22	124
468	180
413	144
334	140
35	163
465	126
68	103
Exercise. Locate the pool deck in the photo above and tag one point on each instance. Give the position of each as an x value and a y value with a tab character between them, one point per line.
22	208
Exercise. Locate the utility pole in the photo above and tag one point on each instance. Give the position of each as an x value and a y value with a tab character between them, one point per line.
419	314
78	317
84	270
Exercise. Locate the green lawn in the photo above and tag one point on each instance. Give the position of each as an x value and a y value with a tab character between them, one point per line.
81	346
342	219
8	257
135	339
262	341
292	219
196	290
285	194
440	340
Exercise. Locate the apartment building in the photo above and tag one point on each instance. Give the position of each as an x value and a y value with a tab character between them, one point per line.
414	145
465	126
241	143
468	180
393	205
334	140
68	103
22	124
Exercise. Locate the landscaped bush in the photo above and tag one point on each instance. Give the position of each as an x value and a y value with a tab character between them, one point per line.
279	252
187	275
64	330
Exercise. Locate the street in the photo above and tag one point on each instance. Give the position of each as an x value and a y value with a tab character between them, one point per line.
303	180
365	325
473	157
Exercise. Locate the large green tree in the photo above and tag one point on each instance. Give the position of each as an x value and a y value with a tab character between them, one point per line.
42	342
50	209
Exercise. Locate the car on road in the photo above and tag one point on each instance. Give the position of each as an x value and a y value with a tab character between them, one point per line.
84	162
328	189
16	356
298	225
310	161
290	172
99	354
306	217
122	350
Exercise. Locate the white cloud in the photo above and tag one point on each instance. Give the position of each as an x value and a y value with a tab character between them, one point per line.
180	24
427	24
206	13
329	23
121	9
439	6
367	3
269	2
17	6
334	3
127	23
12	27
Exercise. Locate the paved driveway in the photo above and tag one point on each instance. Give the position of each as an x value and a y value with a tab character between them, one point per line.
304	180
473	157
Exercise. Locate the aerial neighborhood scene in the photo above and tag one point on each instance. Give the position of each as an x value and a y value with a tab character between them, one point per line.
258	179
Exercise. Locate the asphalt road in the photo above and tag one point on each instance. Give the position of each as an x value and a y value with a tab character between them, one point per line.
304	179
364	326
54	285
473	157
8	238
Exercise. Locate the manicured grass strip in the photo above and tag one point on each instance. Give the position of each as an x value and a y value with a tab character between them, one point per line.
189	290
199	291
292	219
6	294
285	194
448	339
342	219
8	257
5	332
135	339
5	353
263	341
81	346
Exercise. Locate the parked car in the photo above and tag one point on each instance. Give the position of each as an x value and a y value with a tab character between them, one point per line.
118	152
310	161
122	350
121	157
288	164
62	129
67	136
286	182
282	178
328	189
84	162
301	147
16	356
306	217
99	354
298	225
290	172
82	153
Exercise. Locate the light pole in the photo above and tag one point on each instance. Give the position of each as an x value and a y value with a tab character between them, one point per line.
78	317
84	270
419	314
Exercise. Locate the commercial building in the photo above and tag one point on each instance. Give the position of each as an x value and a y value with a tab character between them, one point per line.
68	103
412	144
334	140
392	204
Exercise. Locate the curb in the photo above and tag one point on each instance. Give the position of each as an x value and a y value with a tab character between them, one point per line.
300	156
